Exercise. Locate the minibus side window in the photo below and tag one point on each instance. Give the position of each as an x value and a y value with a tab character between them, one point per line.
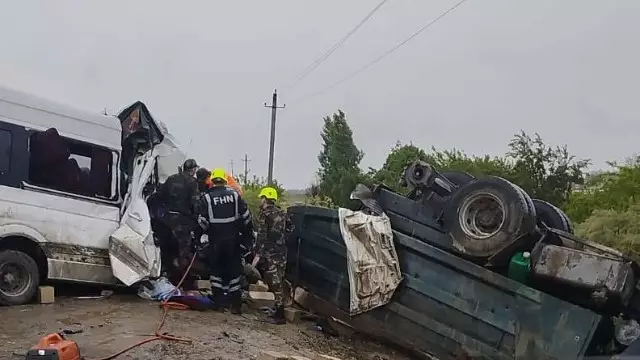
5	152
71	166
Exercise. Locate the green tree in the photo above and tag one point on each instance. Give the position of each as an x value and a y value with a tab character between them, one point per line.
314	196
397	160
403	155
543	171
339	159
475	165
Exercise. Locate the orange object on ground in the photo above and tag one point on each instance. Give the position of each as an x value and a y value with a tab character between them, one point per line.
54	346
70	350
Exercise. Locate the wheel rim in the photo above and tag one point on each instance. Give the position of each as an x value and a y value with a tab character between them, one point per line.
481	216
14	279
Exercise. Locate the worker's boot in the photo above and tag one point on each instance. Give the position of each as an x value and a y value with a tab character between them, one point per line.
277	316
235	307
218	299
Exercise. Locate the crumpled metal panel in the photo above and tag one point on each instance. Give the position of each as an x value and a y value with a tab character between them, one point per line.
445	306
585	269
374	272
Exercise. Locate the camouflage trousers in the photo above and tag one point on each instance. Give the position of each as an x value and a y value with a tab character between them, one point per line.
181	227
276	263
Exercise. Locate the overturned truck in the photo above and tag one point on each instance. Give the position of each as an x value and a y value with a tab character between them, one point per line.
486	272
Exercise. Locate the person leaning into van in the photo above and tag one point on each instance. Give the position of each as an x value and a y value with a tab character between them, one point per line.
180	196
228	216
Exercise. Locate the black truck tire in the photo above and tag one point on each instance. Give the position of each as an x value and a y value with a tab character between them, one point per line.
530	205
458	178
25	274
552	216
485	215
568	220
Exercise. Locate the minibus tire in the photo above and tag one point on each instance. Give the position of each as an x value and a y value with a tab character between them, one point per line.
28	276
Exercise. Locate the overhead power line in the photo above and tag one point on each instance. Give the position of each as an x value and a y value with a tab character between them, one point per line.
384	55
314	65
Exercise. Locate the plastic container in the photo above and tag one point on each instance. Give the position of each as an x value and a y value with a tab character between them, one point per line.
519	267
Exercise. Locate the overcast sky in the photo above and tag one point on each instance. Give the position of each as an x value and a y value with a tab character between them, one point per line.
568	69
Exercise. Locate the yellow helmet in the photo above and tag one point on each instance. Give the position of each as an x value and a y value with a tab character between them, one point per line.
218	174
269	193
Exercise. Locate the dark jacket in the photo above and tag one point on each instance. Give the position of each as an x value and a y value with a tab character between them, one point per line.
226	211
180	194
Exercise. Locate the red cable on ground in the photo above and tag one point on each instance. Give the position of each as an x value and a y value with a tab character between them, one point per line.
166	306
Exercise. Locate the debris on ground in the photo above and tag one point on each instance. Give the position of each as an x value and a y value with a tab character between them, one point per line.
103	327
259	299
103	295
292	315
46	295
259	287
158	290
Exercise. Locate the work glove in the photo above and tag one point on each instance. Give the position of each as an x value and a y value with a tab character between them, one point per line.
203	222
202	243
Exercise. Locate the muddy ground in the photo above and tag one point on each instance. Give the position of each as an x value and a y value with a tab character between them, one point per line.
108	325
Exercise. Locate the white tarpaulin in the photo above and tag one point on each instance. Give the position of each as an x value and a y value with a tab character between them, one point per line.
374	269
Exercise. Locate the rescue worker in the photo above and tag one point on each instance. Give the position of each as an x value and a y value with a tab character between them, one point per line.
228	216
179	194
202	176
273	224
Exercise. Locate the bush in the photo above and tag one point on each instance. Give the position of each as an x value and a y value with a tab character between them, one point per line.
251	191
614	228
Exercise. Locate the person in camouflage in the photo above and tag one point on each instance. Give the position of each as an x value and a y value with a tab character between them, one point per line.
273	225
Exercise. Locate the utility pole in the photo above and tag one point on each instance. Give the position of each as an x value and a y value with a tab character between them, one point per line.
231	166
272	142
246	169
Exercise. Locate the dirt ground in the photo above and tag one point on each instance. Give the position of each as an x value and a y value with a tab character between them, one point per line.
108	325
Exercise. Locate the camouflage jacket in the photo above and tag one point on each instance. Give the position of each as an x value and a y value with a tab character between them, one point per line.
273	226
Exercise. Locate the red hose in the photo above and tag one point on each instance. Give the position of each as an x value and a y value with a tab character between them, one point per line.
166	306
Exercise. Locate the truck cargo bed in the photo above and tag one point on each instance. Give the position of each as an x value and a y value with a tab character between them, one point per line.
446	306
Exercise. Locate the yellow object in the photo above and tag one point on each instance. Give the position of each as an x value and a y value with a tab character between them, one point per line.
269	193
218	174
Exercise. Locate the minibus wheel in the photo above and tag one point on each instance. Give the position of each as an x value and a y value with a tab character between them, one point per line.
19	277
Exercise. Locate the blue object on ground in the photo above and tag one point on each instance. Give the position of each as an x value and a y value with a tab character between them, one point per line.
195	302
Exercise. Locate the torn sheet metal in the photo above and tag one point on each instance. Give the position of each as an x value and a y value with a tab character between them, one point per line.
372	261
132	251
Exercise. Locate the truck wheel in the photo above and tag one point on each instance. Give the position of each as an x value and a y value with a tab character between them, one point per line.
552	216
458	178
19	277
532	208
569	223
485	215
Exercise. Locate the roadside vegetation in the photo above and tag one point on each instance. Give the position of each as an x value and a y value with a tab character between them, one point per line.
604	206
